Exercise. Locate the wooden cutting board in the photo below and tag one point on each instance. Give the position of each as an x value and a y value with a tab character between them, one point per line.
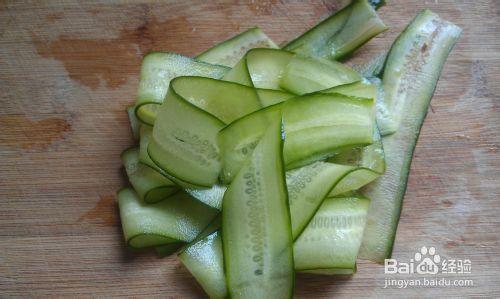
69	69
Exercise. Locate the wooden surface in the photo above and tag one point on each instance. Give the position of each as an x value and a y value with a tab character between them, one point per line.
68	71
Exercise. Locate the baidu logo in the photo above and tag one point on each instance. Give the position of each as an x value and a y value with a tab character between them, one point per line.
427	262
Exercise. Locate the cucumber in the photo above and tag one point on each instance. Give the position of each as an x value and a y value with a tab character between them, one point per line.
209	196
135	124
204	261
330	242
180	218
150	185
316	125
168	249
368	164
329	245
410	76
229	52
256	234
363	89
348	170
183	143
341	34
305	75
358	167
373	67
369	88
269	97
157	69
145	135
261	68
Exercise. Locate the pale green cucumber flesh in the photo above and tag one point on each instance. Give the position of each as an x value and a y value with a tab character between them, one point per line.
332	239
348	170
420	52
341	34
168	249
230	51
338	226
305	75
269	97
150	185
227	101
183	143
256	234
179	218
187	124
135	124
261	68
373	67
362	25
315	126
204	261
157	69
209	196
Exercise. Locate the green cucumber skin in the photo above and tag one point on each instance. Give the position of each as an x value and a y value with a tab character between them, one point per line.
306	75
424	67
188	122
236	141
184	143
168	249
203	257
373	67
333	237
204	260
150	185
251	271
135	124
178	219
157	70
229	52
320	41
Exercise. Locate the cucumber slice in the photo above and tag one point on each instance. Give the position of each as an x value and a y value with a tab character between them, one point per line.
308	186
369	88
372	67
256	234
261	68
360	166
348	170
229	52
135	124
157	69
330	242
205	262
305	75
168	249
146	133
183	143
180	218
329	245
362	89
368	163
184	136
316	125
269	97
150	185
211	196
417	58
341	34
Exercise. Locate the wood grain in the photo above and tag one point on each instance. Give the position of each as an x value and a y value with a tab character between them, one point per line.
68	70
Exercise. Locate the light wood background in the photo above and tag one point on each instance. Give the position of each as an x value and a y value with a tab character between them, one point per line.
69	69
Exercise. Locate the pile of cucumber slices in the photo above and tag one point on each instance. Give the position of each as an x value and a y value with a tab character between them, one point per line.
255	162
